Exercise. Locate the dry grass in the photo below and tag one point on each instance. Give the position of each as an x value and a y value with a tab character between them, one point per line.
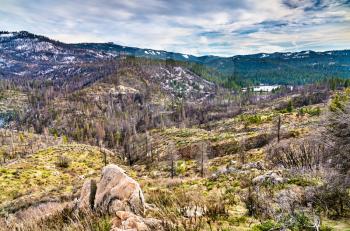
56	217
44	180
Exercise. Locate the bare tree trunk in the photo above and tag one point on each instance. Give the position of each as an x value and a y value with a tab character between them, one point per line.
12	148
202	164
278	128
172	169
105	158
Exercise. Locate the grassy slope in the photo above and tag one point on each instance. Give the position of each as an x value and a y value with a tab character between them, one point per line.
38	178
228	136
44	180
11	100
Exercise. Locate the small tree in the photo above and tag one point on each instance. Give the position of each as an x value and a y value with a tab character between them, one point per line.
63	162
65	139
290	106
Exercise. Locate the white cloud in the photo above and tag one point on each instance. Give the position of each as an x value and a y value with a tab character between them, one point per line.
200	27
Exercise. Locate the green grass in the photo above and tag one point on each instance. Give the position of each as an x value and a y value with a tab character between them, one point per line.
39	176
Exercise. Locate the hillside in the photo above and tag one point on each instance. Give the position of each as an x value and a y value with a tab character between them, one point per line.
216	175
104	137
28	55
293	68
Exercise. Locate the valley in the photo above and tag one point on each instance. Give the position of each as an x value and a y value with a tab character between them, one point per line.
203	147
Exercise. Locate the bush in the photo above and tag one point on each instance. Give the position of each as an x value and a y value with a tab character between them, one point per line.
338	135
333	198
297	154
181	167
252	119
257	141
63	162
311	111
266	226
216	206
289	106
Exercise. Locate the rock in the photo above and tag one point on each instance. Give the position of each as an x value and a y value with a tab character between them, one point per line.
114	192
87	195
256	165
116	185
224	171
194	211
129	221
270	177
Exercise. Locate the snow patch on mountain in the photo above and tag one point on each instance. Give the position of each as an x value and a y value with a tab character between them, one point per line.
179	81
6	35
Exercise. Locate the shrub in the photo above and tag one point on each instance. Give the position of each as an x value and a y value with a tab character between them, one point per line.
216	205
257	141
289	106
255	204
338	136
311	111
181	167
297	154
63	162
333	198
251	119
266	226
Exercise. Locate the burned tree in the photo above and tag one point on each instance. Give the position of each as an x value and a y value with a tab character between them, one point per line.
278	128
172	154
100	133
202	157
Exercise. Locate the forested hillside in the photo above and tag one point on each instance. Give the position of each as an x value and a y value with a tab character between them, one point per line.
104	137
28	55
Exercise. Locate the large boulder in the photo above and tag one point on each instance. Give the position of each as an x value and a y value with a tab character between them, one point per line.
121	196
115	191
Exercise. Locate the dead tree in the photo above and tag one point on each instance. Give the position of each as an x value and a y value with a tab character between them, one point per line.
278	128
100	132
202	157
172	156
149	146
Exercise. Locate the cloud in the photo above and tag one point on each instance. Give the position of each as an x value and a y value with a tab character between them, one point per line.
199	27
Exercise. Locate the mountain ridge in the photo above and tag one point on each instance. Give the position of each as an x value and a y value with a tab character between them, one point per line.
24	53
161	50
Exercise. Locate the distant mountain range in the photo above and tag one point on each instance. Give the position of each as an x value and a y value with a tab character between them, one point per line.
29	55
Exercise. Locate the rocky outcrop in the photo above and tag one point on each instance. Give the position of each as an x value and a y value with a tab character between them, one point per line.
115	191
257	165
87	195
117	194
270	178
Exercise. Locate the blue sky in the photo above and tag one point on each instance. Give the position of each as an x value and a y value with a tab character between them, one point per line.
198	27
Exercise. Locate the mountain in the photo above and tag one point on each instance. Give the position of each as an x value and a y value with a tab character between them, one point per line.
205	157
286	68
27	55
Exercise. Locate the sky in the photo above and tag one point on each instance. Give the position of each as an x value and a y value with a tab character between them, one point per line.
197	27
